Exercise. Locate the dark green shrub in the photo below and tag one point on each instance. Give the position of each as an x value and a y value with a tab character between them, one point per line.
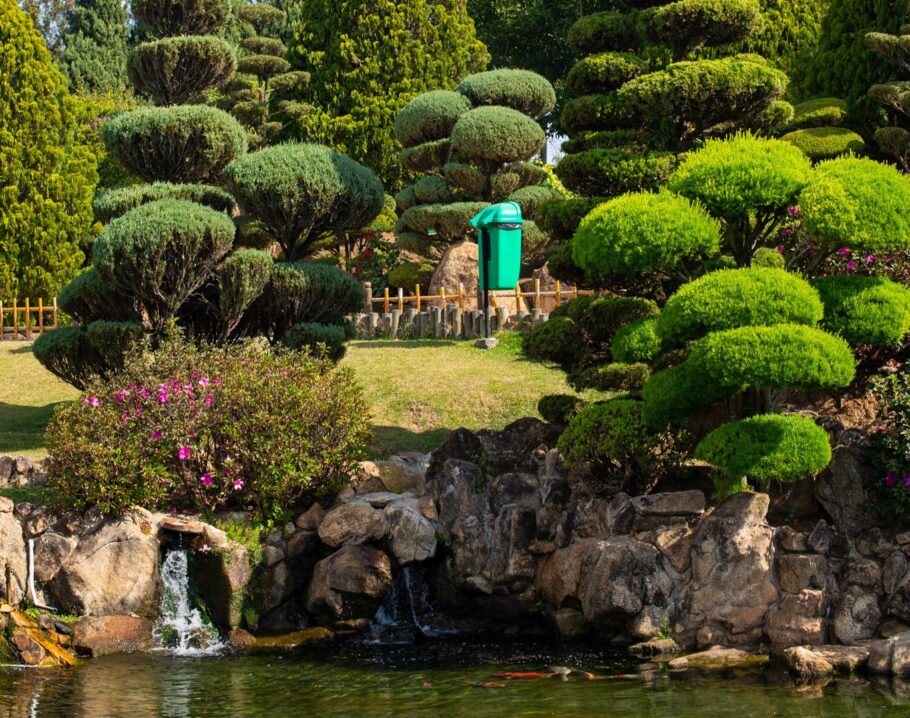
450	221
615	171
601	317
767	447
180	17
426	157
497	134
67	353
559	408
179	69
595	112
608	431
819	112
320	339
605	31
118	201
865	310
88	297
521	90
630	139
857	203
262	66
261	15
191	143
604	72
732	298
637	342
298	192
160	253
259	45
240	279
532	198
410	274
561	219
558	340
611	377
887	490
687	25
776	357
825	143
431	189
465	177
673	394
644	233
206	429
113	341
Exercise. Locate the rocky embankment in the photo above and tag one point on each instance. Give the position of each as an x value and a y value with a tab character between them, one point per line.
513	538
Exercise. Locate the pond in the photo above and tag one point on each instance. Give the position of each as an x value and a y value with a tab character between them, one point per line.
431	679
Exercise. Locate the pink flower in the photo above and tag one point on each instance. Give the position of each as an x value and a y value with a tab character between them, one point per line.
843	251
183	453
204	382
205	548
907	480
781	249
851	265
890	479
209	400
206	479
156	435
870	259
793	211
91	401
238	484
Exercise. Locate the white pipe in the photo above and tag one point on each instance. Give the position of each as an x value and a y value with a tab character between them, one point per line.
31	577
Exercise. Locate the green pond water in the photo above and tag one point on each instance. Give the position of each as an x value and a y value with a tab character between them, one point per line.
438	679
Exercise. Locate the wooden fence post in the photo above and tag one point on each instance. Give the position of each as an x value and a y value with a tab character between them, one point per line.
368	297
55	312
15	317
400	299
385	303
40	316
417	295
1	320
558	293
461	295
537	304
517	298
442	298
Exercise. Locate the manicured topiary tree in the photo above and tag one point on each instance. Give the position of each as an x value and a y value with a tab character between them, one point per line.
893	96
95	46
47	178
473	146
815	129
645	93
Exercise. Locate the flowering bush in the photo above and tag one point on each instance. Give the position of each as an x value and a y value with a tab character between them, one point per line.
202	429
888	493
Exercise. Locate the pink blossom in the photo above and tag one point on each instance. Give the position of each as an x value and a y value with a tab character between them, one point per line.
238	484
183	453
93	401
205	548
870	259
843	251
781	249
206	479
793	211
204	382
156	436
143	393
907	480
209	400
851	265
890	479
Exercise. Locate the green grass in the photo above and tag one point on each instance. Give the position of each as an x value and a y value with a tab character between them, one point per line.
417	391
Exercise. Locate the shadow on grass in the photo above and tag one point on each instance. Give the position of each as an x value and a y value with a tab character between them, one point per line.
26	348
388	440
22	427
405	343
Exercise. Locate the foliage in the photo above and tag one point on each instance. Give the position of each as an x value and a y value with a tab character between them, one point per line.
687	25
559	408
67	353
190	143
616	376
894	140
521	90
888	493
320	339
644	233
614	171
825	143
497	134
430	116
409	274
299	192
92	112
47	175
818	112
95	46
206	429
366	64
637	342
50	18
179	69
116	202
865	310
767	447
180	17
729	298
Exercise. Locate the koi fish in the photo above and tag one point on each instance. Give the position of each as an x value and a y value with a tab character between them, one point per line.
531	674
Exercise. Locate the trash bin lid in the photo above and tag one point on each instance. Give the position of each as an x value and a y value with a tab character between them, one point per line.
497	214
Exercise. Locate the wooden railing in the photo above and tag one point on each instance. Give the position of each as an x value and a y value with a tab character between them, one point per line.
502	298
25	321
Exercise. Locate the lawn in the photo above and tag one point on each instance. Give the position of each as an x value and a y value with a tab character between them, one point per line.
417	391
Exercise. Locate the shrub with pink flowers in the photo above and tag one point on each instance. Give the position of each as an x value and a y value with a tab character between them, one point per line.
207	428
888	491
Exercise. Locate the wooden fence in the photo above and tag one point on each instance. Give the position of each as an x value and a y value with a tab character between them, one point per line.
498	299
26	321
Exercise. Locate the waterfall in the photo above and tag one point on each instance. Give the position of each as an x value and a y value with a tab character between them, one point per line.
181	628
409	610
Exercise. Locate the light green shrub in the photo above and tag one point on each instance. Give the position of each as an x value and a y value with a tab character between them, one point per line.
865	310
825	143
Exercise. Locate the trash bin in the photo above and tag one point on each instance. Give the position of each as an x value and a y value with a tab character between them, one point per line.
499	245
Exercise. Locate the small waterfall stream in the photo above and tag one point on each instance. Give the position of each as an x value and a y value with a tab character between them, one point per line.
408	612
181	628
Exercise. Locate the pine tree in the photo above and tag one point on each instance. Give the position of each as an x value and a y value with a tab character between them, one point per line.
46	178
50	17
367	60
893	96
95	46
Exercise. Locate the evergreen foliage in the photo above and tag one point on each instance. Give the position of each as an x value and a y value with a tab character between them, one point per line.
865	310
893	96
95	46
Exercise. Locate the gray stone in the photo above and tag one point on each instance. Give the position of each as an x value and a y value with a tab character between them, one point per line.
863	572
7	467
894	571
797	620
568	622
792	541
353	523
856	616
561	571
272	555
846	659
821	538
673	503
349	584
6	505
51	552
411	536
839	489
620	514
12	559
807	663
310	519
798	571
514	488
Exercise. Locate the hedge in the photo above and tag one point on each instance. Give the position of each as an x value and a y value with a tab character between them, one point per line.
67	353
559	408
180	17
609	172
825	143
88	297
326	340
671	395
115	202
175	70
451	221
557	340
608	431
689	24
637	342
241	279
865	310
263	66
819	112
497	134
601	31
427	156
604	72
595	112
615	376
521	90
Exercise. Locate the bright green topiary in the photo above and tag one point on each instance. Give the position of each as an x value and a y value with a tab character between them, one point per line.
865	310
857	203
46	177
116	202
602	30
611	377
767	257
525	92
644	234
299	192
820	112
614	171
825	143
191	143
637	342
604	72
673	394
731	298
687	25
178	69
768	447
557	340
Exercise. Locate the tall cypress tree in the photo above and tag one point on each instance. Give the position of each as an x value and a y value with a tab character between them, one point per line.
95	46
367	60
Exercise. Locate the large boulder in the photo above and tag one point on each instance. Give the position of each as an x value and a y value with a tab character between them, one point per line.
101	635
732	586
561	571
839	489
412	537
52	550
349	584
221	577
352	523
112	570
798	620
12	555
458	266
856	616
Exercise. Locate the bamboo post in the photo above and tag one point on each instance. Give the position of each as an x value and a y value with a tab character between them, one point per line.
537	304
417	295
442	297
385	303
15	317
368	297
558	293
517	298
461	295
28	319
40	316
400	299
1	320
55	312
575	292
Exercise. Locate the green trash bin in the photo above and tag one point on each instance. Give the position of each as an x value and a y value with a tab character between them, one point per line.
499	245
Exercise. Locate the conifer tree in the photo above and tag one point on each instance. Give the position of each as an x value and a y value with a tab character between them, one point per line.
95	46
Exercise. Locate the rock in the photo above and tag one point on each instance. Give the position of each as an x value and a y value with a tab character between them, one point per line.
541	548
732	549
863	572
213	537
352	523
520	446
349	584
272	555
112	570
295	639
514	488
7	468
560	573
461	445
12	559
887	629
101	635
799	571
900	656
509	559
30	650
240	640
839	489
412	471
411	536
568	622
620	514
897	604
676	546
6	505
894	570
310	519
51	551
301	549
38	521
458	266
807	663
718	658
655	647
427	508
880	654
674	503
793	541
221	578
24	465
845	659
797	620
275	587
181	525
856	616
821	538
